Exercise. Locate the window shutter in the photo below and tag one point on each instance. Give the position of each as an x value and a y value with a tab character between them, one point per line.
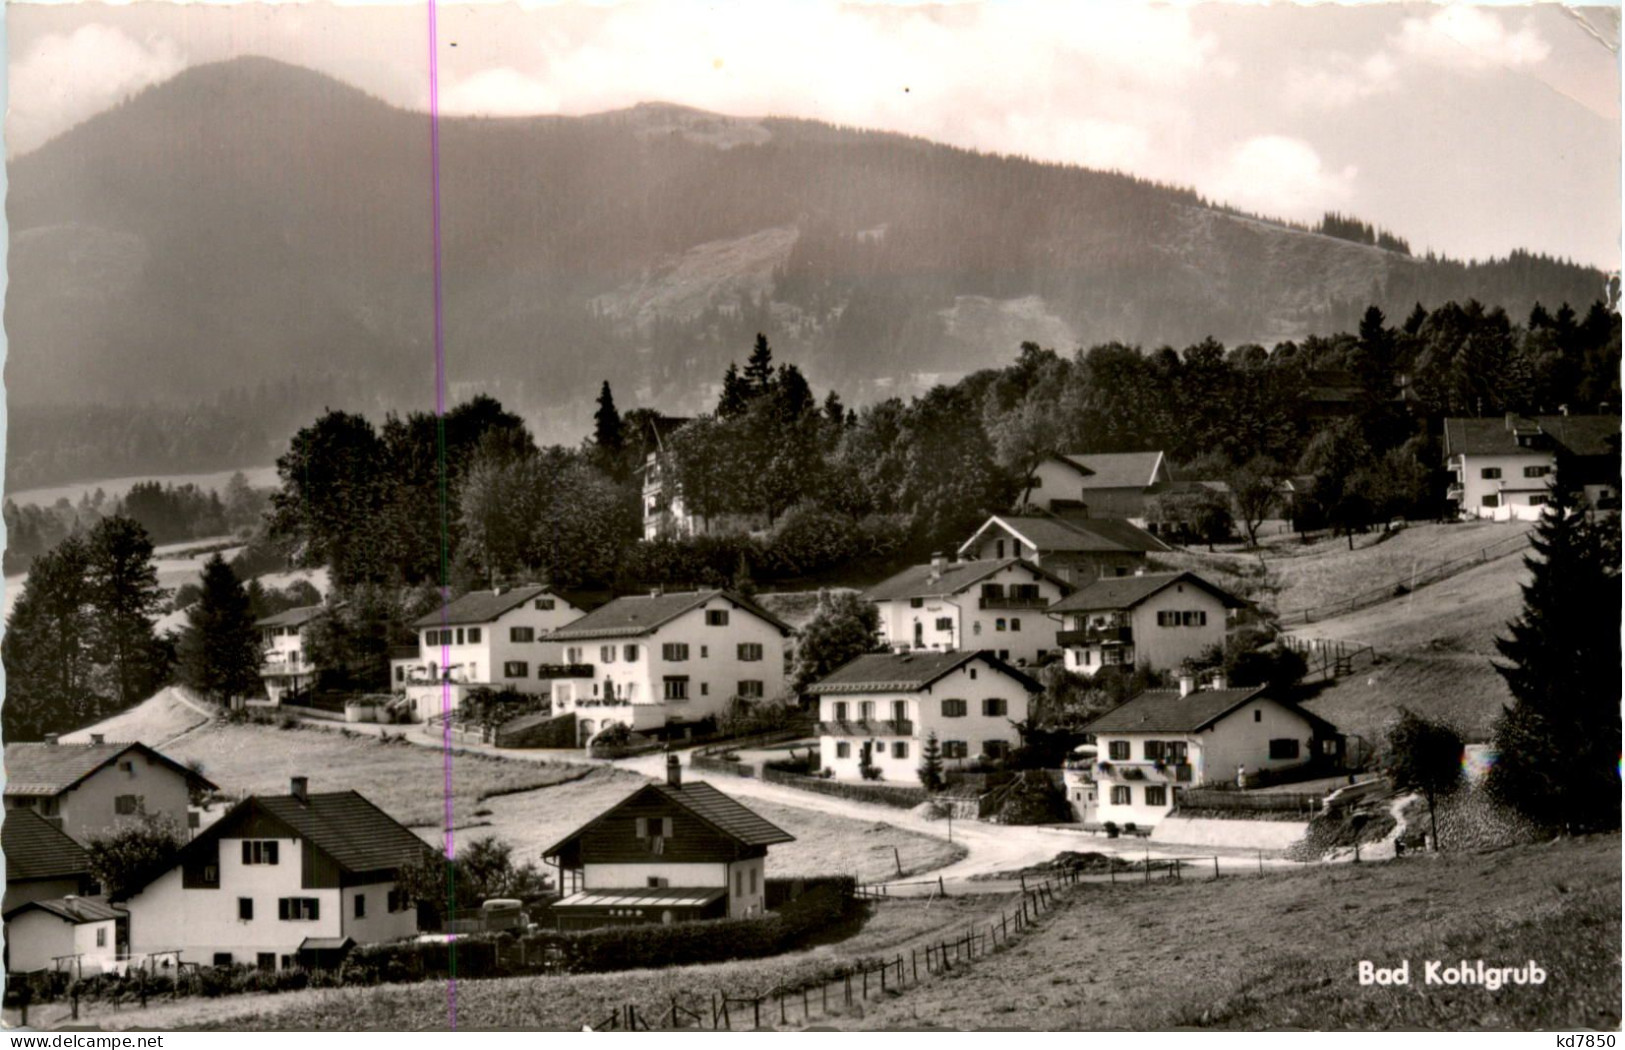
270	852
282	908
248	852
643	827
315	908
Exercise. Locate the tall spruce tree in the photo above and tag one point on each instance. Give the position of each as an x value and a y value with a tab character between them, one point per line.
46	647
1558	745
608	434
124	594
220	649
758	376
735	397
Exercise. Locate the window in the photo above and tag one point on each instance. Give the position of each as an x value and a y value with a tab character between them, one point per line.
654	827
545	604
265	960
573	655
606	654
1283	749
1536	472
516	669
1258	714
521	634
658	882
1117	750
755	873
866	710
361	905
1489	500
127	805
629	653
998	549
1537	501
995	748
995	707
1490	473
676	652
287	962
222	958
843	749
473	635
211	874
1153	750
1120	796
676	687
899	749
431	638
245	909
101	936
998	625
716	617
298	909
916	603
945	623
739	882
840	710
955	749
400	674
899	710
750	689
705	652
1015	623
1156	795
749	651
127	766
259	852
399	900
459	636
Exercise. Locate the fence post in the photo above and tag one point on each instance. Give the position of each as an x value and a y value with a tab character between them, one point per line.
914	960
782	1018
1004	925
823	996
1215	865
1261	862
848	976
865	984
883	980
941	889
1023	878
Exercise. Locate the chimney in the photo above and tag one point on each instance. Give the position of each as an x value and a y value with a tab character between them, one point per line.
938	560
50	739
1187	683
1563	410
98	738
299	788
1219	681
674	771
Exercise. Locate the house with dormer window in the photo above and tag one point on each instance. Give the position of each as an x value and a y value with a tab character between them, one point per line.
946	606
1157	620
86	790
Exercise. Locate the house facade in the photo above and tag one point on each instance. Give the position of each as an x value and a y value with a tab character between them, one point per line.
1501	469
667	660
1098	485
880	709
1159	621
1164	740
488	638
279	879
1077	550
77	935
285	665
86	790
670	852
665	516
998	605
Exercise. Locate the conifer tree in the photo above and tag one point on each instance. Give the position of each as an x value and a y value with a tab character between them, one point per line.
47	660
125	597
220	649
608	433
758	376
735	398
931	763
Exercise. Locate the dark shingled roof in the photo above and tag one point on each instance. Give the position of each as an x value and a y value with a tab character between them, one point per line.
37	849
1165	711
291	617
927	581
729	816
636	615
484	606
1084	534
46	770
1125	592
907	672
77	910
343	824
1115	470
1580	435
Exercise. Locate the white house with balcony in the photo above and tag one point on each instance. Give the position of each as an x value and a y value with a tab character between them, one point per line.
879	710
1501	468
285	664
998	605
1164	740
667	660
1157	620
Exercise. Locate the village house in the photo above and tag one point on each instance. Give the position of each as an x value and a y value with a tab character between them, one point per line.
993	604
87	790
1501	468
662	661
878	710
670	852
42	862
1164	740
281	880
1077	550
1156	620
665	516
286	668
77	935
1098	485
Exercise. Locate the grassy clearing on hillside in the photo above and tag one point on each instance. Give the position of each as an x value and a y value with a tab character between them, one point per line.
1283	951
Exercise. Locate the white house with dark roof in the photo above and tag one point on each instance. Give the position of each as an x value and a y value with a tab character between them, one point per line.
281	880
1501	468
667	660
1166	739
77	935
993	604
88	790
1157	620
1098	484
285	664
1077	550
880	708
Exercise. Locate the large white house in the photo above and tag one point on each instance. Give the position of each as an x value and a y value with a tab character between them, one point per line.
278	881
285	666
1157	620
1501	468
87	790
667	659
1167	739
879	709
995	604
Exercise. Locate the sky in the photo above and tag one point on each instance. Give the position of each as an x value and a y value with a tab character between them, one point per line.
1467	130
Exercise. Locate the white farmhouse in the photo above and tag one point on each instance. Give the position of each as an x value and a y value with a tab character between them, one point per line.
1099	484
667	660
997	605
1164	740
879	710
1160	621
281	880
77	935
285	666
1501	468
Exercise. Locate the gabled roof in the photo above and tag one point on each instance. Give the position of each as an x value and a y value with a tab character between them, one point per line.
485	606
77	910
1165	711
47	770
1125	592
636	615
726	815
291	617
37	849
1088	535
955	577
1115	470
1579	435
908	672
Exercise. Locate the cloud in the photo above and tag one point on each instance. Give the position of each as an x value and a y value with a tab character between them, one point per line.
65	78
500	92
1279	176
1466	37
1338	81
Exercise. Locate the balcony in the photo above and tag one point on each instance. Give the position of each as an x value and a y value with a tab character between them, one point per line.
1095	636
1454	491
996	601
1156	772
564	671
866	727
277	663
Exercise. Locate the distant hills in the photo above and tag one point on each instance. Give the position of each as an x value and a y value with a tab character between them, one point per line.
250	228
